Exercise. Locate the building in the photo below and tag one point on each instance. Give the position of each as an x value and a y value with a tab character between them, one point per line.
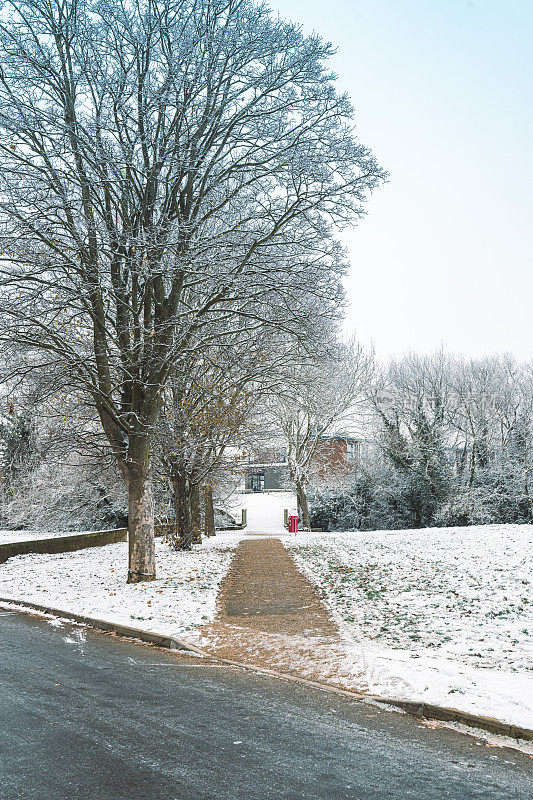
335	457
266	470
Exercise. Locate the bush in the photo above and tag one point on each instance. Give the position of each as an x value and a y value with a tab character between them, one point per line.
67	497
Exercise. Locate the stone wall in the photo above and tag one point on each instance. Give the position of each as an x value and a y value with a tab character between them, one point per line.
62	544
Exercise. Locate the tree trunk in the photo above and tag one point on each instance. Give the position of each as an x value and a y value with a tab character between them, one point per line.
183	513
529	499
196	513
141	543
302	506
209	518
472	466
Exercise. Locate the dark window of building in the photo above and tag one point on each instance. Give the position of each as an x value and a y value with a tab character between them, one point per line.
258	482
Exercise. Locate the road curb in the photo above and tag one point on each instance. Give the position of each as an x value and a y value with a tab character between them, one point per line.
169	642
414	708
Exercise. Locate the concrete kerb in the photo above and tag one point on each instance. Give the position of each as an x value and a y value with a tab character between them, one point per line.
150	637
413	708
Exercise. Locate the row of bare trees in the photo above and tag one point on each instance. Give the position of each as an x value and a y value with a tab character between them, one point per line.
173	174
445	441
208	414
451	443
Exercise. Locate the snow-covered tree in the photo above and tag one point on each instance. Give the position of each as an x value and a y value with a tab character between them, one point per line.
324	395
71	494
413	434
18	447
208	415
166	165
451	445
491	415
204	410
57	470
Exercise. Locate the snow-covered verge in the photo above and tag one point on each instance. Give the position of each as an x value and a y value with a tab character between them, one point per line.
441	615
7	537
92	582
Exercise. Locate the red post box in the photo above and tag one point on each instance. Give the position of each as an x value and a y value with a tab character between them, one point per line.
293	524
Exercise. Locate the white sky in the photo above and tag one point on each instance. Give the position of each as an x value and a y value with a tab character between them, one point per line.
443	96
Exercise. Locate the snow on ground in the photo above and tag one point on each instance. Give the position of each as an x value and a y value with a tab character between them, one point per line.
443	615
264	510
92	582
6	537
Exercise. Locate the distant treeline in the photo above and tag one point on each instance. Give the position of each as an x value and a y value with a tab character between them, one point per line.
450	444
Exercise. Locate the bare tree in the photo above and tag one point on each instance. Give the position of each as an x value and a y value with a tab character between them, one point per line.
478	390
57	468
204	410
325	394
207	409
413	432
167	164
491	413
451	444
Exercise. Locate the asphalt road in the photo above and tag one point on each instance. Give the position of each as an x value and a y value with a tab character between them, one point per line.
84	715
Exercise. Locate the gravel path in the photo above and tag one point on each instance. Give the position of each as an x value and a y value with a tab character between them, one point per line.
270	615
263	590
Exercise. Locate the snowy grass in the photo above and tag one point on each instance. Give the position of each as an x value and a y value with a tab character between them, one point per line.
6	537
447	611
92	582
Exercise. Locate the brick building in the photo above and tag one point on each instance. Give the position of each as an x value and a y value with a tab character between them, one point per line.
267	470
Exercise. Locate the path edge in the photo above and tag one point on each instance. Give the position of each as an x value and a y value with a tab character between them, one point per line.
414	708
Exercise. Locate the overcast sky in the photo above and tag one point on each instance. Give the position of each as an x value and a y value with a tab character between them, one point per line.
443	96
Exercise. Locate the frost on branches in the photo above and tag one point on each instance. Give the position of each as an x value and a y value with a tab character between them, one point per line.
166	166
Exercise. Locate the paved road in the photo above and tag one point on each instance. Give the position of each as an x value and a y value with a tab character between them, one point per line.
87	716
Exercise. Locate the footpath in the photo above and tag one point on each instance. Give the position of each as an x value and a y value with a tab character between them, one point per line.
270	615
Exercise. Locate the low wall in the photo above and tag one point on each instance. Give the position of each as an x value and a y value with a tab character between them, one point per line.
171	528
62	544
236	526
